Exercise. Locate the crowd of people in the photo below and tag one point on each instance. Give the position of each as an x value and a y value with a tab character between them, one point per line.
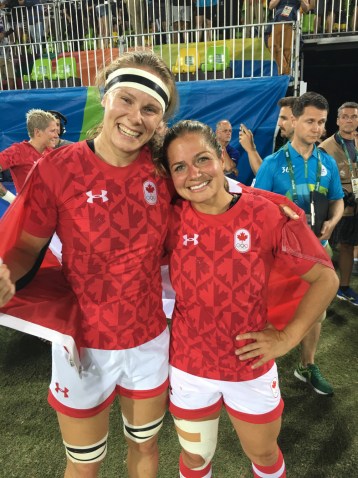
137	191
37	20
32	29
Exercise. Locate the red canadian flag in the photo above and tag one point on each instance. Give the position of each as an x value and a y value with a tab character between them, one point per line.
46	307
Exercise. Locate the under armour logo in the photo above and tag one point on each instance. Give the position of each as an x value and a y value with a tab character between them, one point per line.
63	390
92	196
193	239
274	387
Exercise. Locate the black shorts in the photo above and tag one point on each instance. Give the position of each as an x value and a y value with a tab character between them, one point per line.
346	231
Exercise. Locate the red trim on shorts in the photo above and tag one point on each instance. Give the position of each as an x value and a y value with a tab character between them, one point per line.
141	394
188	473
258	419
79	413
185	414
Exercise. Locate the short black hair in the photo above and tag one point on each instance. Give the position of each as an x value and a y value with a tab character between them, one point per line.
287	101
309	99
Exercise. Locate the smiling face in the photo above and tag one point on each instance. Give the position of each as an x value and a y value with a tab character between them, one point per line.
309	127
130	119
47	138
197	172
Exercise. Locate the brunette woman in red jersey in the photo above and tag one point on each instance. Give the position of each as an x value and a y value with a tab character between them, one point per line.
222	248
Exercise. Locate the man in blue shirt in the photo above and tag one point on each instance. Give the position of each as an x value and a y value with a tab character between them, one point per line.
241	172
296	170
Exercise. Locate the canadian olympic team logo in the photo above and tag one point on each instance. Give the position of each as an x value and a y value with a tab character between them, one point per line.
242	240
150	192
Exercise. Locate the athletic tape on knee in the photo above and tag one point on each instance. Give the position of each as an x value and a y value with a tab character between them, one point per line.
88	453
205	436
142	433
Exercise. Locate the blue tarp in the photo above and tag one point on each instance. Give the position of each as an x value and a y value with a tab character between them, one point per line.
249	101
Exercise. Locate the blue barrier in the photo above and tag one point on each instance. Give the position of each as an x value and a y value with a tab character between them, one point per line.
255	68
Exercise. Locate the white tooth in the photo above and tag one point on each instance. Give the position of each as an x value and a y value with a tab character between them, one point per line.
128	132
199	185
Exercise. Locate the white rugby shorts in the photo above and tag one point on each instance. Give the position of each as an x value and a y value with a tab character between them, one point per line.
138	373
254	401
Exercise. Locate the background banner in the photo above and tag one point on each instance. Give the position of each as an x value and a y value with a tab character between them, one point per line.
249	101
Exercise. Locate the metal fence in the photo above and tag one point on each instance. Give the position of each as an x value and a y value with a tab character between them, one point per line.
64	43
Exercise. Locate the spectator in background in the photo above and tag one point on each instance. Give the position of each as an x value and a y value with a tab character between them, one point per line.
87	11
18	20
157	19
61	122
181	19
205	17
71	22
20	157
326	10
7	73
230	154
280	36
295	171
104	15
253	13
136	18
35	17
229	14
343	147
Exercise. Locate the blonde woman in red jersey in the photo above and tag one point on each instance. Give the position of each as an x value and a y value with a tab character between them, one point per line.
110	210
222	248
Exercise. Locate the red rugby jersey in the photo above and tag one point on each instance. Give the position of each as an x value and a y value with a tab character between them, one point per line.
19	158
220	265
112	223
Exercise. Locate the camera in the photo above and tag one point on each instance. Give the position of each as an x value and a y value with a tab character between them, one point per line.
349	199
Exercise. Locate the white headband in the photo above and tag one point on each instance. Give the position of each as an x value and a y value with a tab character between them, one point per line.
141	80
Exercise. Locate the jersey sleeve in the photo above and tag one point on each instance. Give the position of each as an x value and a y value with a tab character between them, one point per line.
297	251
11	157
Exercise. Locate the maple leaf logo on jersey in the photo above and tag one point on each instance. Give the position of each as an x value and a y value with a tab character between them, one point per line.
150	192
274	387
242	236
242	240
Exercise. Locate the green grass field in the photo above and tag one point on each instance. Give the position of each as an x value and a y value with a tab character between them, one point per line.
319	435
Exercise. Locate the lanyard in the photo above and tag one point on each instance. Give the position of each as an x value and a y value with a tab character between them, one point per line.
292	175
344	146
